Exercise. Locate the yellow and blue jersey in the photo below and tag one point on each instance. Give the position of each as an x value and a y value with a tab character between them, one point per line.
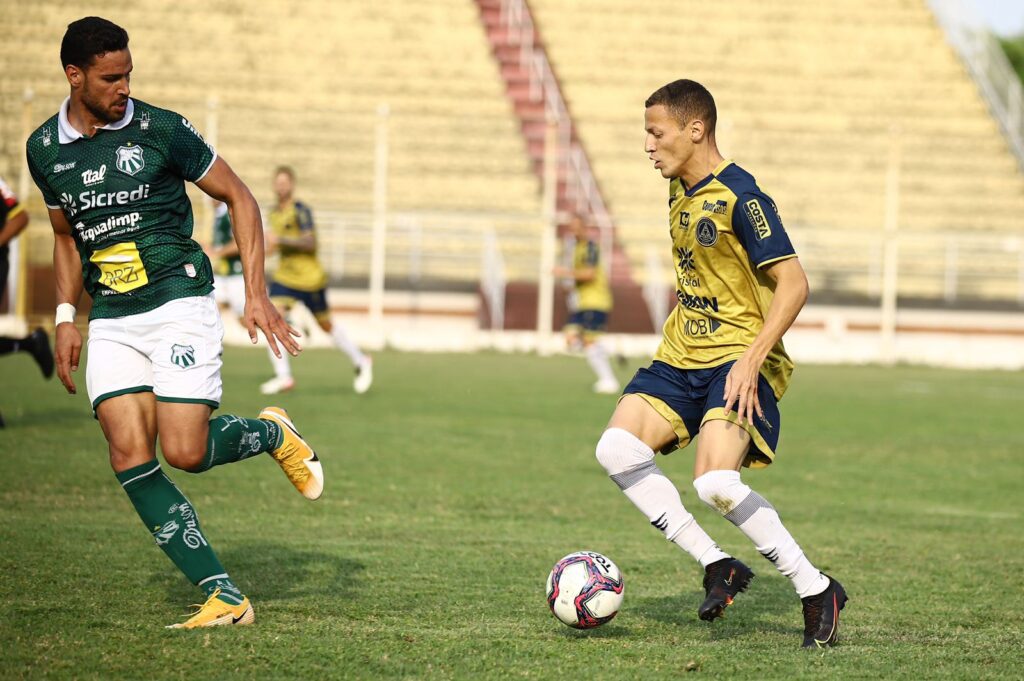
297	269
594	294
724	230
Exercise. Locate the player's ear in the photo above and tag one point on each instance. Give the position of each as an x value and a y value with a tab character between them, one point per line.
75	75
696	130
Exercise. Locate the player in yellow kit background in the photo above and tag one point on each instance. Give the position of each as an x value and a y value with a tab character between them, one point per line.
301	278
589	304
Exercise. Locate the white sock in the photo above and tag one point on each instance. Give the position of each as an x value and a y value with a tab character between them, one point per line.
630	464
345	344
597	358
282	366
756	518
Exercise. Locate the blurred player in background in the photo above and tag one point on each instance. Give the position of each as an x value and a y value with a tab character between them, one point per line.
112	172
721	366
13	220
301	278
590	302
228	280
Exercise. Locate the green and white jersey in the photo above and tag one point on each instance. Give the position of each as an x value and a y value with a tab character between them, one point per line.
123	192
221	237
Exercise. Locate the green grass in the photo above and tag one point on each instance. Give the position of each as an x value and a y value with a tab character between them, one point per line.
456	483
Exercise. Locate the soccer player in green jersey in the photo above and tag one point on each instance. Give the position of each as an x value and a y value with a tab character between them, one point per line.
112	172
589	304
721	367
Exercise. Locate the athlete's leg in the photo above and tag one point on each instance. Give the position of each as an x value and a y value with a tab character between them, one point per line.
36	344
363	363
192	442
282	380
129	423
626	451
721	450
597	358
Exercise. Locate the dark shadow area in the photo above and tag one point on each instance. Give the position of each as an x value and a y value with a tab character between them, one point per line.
742	616
273	571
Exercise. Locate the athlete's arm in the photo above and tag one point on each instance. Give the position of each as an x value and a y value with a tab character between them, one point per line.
67	269
791	292
13	227
223	184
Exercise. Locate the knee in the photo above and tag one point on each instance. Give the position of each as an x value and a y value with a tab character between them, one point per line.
618	451
183	454
124	456
721	490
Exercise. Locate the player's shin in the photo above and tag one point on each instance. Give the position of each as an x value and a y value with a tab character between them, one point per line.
756	518
173	522
630	464
345	344
233	438
597	358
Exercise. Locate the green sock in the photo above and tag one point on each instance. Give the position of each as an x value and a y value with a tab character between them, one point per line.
170	518
233	438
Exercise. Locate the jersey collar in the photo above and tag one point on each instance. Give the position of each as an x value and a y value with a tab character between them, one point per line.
714	173
67	134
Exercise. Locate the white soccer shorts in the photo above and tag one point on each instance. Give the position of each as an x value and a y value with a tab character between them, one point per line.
230	290
173	351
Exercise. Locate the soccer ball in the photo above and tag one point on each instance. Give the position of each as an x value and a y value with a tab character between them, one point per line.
585	590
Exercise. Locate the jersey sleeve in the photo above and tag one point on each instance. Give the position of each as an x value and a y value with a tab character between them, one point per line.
304	216
189	154
758	227
49	198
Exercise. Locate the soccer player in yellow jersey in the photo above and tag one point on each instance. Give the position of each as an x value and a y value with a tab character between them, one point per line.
590	303
721	367
301	278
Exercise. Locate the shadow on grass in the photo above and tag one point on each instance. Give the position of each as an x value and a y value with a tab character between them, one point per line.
274	571
610	630
744	616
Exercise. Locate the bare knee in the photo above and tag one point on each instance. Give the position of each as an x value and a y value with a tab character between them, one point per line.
182	452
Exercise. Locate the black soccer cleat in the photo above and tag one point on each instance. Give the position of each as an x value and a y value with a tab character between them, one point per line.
821	615
41	353
723	579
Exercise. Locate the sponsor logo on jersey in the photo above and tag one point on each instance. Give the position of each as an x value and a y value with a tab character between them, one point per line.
686	260
93	199
762	230
91	177
68	202
684	219
129	220
707	232
45	137
693	302
183	355
129	159
687	268
61	167
190	270
144	121
192	129
700	327
719	207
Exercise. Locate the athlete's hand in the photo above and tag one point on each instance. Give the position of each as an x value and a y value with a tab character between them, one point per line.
741	387
261	314
67	350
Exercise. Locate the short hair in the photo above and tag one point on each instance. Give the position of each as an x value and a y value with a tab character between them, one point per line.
88	38
686	100
285	170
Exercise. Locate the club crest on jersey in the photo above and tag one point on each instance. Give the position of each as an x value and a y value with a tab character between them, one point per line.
183	355
707	232
129	159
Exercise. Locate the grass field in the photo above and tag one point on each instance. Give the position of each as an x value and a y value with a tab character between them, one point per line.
459	480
